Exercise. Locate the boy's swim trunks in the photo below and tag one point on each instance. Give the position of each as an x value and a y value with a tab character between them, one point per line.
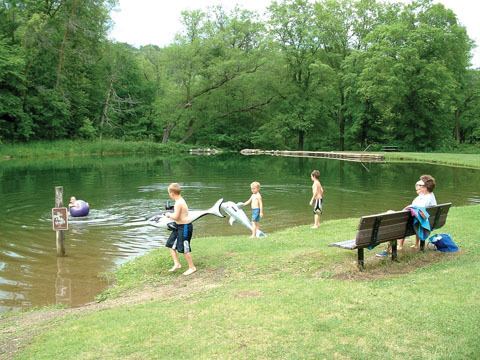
318	206
256	215
180	238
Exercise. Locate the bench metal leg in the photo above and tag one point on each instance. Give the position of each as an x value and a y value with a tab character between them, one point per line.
361	260
394	250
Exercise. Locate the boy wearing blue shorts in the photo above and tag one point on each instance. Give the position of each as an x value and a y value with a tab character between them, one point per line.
257	207
179	240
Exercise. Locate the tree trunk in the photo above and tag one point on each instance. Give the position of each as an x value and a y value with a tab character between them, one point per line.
106	105
457	126
301	139
61	57
167	130
341	121
189	132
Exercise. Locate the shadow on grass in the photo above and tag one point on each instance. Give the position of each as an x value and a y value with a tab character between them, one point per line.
409	260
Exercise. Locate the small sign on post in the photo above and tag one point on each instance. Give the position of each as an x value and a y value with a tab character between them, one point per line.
60	218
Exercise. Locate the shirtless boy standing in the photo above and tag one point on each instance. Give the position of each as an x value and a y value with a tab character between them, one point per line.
317	198
179	240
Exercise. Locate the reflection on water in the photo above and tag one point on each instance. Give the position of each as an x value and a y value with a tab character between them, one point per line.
63	283
128	191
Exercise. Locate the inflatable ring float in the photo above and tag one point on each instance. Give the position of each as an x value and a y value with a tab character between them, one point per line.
81	209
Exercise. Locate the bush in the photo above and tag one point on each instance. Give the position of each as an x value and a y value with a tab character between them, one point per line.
87	130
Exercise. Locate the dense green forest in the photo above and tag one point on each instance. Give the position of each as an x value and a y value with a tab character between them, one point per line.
324	75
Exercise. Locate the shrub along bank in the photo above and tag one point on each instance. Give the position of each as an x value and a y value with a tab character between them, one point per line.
74	148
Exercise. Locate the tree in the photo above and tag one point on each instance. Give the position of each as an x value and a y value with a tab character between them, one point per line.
125	96
292	26
15	124
343	27
407	77
215	51
467	110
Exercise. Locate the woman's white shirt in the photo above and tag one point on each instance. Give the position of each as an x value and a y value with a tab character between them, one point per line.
425	200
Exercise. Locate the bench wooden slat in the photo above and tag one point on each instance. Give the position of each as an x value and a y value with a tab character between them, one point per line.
392	226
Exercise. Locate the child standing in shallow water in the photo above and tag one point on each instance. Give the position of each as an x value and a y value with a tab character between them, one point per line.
317	198
257	207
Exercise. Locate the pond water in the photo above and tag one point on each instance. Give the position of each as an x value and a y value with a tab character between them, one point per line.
125	190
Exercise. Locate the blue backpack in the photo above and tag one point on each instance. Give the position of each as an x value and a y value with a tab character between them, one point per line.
443	242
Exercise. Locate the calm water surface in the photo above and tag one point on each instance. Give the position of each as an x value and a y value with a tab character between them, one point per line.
122	191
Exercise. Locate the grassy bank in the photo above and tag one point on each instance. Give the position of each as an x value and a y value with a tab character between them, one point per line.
287	296
463	160
75	148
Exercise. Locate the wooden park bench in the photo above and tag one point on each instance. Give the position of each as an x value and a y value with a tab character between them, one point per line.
391	226
389	148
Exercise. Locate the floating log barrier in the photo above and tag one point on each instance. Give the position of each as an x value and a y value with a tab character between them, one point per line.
206	151
343	155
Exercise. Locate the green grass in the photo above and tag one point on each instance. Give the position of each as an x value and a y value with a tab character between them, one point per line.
75	148
463	160
288	296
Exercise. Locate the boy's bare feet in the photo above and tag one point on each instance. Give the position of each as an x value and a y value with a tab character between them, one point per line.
314	227
190	271
175	267
413	246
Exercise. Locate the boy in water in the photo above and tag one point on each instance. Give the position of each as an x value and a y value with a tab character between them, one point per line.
257	207
179	240
317	198
73	202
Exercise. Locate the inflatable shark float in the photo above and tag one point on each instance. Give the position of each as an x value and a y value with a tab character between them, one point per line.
238	215
162	221
229	207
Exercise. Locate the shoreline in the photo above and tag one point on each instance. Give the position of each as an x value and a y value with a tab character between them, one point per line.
75	149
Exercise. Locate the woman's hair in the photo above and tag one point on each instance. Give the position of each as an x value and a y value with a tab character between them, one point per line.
316	174
174	188
429	182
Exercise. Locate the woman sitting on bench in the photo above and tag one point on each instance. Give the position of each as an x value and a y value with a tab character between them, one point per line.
425	198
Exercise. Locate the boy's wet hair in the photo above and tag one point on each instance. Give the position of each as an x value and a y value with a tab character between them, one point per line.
316	174
255	184
429	182
174	188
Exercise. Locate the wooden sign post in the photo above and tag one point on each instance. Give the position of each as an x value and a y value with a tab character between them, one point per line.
59	220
